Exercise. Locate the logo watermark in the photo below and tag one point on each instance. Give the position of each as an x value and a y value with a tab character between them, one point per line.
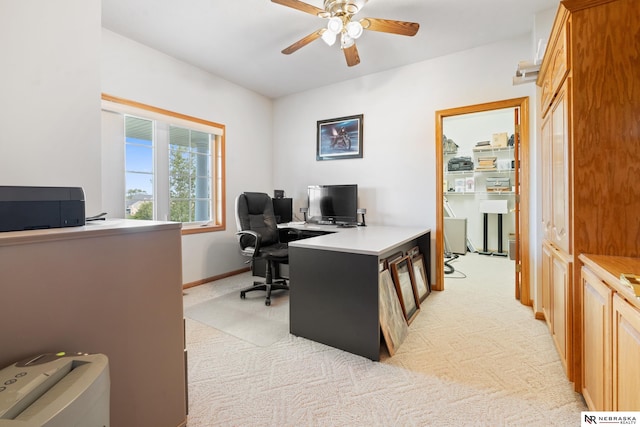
609	418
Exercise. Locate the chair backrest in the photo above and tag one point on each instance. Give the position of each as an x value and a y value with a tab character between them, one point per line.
254	211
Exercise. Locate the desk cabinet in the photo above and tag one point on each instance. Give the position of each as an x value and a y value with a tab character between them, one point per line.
111	287
334	284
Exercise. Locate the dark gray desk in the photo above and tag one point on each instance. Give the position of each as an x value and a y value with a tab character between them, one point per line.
334	283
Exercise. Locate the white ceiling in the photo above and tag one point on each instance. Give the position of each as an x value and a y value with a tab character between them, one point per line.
241	40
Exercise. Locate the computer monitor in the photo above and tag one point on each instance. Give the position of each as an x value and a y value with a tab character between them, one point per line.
333	204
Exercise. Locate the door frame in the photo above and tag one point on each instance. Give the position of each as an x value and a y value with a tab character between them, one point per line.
522	288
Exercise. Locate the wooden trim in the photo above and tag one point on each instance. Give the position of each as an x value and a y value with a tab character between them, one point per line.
575	5
523	104
525	209
197	229
214	278
222	185
219	153
111	98
438	284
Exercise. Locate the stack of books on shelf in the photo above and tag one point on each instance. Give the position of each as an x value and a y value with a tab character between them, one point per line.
486	164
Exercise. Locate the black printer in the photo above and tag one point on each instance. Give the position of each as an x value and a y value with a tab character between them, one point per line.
32	208
460	164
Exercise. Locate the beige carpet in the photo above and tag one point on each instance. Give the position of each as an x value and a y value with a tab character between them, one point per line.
474	356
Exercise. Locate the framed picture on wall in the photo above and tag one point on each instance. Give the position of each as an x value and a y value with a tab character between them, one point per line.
339	138
403	279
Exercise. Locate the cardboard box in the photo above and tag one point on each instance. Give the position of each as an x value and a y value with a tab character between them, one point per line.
498	183
499	139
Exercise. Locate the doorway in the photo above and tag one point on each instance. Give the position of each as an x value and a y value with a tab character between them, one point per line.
499	179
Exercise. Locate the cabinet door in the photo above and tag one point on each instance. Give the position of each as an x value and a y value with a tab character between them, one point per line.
596	342
626	356
561	279
560	169
546	142
546	285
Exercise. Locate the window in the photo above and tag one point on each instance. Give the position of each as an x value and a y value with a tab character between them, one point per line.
173	166
189	175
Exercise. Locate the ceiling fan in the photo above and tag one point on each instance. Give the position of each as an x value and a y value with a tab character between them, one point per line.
340	23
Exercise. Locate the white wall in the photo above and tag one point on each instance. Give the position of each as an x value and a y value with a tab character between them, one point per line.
50	94
542	24
396	176
133	71
55	65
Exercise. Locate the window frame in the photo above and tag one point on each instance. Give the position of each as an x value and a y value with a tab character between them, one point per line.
218	184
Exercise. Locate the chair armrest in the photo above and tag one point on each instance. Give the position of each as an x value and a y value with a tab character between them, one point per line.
256	236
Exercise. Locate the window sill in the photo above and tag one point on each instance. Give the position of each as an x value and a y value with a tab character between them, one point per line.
201	228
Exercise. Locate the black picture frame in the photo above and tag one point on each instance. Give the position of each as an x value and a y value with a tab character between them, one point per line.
339	138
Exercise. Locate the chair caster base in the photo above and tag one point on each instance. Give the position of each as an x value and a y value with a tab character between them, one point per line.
242	295
267	302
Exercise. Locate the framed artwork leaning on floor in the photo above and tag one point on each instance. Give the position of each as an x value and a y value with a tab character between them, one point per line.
392	321
405	286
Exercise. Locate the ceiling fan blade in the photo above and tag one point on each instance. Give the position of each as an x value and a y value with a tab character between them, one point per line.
351	55
301	6
304	41
390	26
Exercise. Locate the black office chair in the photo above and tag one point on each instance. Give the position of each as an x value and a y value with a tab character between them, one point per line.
259	238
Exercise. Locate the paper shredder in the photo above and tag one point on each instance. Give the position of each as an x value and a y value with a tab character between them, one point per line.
56	390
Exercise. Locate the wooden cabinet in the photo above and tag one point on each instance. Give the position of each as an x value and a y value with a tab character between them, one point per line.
555	171
610	335
589	98
560	167
561	307
596	344
626	356
558	64
556	270
546	284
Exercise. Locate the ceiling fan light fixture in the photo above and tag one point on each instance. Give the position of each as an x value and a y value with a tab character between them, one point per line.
334	25
329	38
346	41
354	29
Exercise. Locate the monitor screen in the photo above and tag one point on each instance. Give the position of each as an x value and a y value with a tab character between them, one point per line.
335	204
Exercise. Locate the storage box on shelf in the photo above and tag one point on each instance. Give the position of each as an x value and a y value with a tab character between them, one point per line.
491	172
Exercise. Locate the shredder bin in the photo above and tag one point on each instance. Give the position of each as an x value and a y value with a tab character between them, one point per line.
56	390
